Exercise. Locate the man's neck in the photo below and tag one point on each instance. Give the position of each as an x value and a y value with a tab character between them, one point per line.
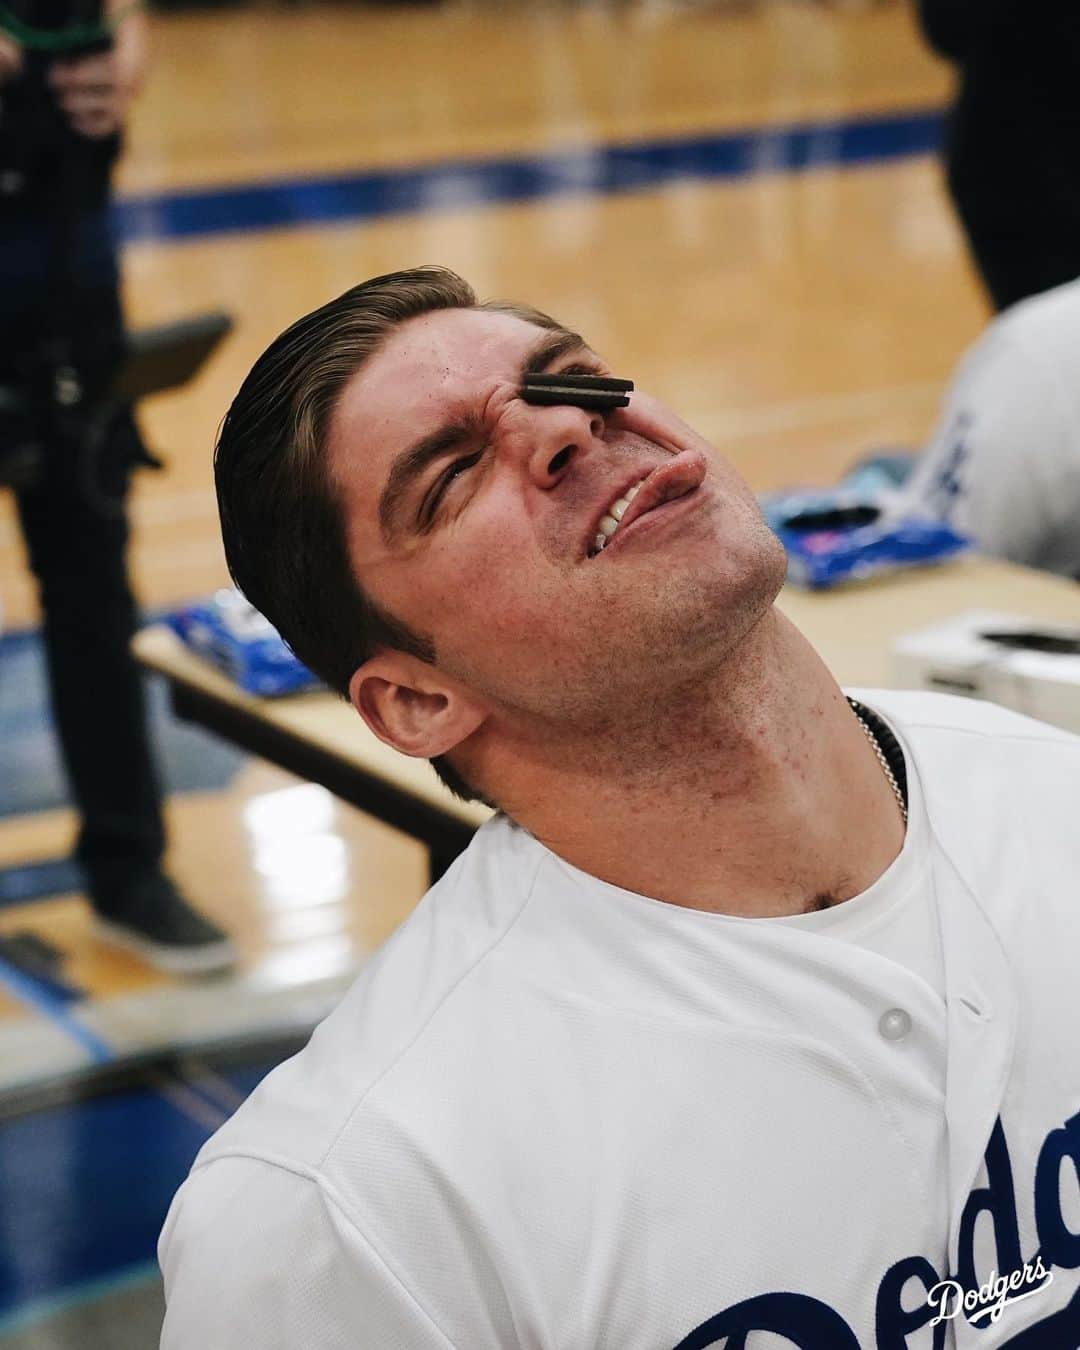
754	794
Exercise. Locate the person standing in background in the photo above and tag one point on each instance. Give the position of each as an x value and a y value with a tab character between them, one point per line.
1013	139
66	81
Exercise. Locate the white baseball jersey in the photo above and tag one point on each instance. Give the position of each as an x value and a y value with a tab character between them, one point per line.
897	916
1004	462
552	1114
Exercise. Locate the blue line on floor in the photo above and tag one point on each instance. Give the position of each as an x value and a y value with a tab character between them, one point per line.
54	1003
597	169
38	880
17	639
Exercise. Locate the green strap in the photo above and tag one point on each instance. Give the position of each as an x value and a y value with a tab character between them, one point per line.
63	39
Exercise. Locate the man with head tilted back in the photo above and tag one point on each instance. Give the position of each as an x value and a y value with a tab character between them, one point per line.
748	1019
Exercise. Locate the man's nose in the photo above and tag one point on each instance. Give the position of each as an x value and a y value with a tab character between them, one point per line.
554	437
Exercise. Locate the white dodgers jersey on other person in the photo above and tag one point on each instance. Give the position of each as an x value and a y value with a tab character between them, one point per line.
1004	463
555	1115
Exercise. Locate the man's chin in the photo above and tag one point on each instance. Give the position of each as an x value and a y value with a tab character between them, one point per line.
707	608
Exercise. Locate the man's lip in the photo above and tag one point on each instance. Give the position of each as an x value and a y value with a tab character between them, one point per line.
594	529
674	478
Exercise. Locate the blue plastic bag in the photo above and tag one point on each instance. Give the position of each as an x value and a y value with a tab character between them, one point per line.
242	642
839	534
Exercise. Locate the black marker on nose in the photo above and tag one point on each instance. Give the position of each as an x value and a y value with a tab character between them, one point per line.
594	393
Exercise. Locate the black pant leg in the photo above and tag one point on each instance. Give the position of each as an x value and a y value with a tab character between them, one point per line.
75	525
77	541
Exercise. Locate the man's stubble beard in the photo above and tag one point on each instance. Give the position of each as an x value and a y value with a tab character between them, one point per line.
657	664
692	654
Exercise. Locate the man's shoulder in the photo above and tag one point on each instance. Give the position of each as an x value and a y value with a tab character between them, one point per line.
999	790
985	769
920	714
405	990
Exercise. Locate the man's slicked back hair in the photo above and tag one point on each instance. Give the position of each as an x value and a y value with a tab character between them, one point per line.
282	523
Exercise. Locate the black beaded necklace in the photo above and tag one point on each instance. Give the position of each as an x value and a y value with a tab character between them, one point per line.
888	748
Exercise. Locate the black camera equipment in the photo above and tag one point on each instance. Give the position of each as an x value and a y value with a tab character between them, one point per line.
57	415
71	395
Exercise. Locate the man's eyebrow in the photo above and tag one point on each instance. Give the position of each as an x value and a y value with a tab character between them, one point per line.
411	463
550	350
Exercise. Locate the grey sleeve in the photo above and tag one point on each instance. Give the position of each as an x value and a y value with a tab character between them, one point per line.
1004	463
256	1257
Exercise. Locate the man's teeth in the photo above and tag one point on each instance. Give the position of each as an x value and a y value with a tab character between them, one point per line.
610	523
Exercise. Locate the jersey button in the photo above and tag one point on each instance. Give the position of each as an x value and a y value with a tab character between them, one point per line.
895	1024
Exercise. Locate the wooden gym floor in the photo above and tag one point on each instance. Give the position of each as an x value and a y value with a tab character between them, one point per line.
801	309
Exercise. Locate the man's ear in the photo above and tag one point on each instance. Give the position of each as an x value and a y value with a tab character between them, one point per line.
411	706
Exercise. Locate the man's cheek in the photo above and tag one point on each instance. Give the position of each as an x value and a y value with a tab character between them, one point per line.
649	418
485	592
511	610
514	615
